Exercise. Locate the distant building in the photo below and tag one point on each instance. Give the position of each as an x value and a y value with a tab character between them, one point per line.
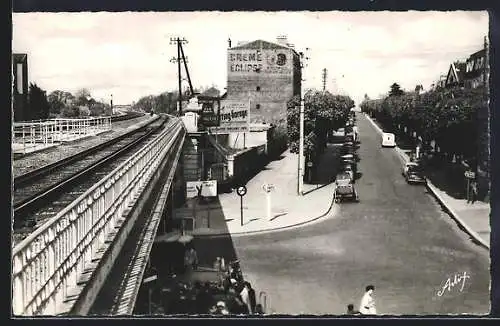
266	74
456	74
476	72
20	86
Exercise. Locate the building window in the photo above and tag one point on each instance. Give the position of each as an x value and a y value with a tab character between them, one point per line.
257	106
258	88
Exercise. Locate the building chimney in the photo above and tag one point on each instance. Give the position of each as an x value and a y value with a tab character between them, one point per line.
282	40
229	42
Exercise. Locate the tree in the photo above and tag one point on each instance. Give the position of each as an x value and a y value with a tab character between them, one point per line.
82	96
56	102
70	111
322	113
396	90
38	104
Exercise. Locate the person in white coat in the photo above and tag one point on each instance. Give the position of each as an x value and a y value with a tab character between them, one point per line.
367	305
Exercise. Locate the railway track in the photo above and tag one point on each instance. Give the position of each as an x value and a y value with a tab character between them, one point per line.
128	116
46	191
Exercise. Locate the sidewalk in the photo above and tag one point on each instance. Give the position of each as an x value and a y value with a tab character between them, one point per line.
288	208
474	218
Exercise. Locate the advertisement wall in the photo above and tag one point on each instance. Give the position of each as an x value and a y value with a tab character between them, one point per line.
234	117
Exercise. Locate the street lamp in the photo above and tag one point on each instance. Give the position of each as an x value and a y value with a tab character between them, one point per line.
300	183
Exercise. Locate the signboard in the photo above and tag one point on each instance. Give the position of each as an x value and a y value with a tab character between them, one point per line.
150	279
208	188
267	61
210	112
469	174
268	187
241	191
234	117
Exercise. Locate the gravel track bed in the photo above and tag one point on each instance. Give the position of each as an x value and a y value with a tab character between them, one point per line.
36	160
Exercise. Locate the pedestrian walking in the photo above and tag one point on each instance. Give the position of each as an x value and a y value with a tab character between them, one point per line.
245	297
190	260
474	192
367	305
251	297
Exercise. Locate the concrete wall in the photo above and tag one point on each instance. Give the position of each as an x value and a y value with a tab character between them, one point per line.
269	78
247	139
190	120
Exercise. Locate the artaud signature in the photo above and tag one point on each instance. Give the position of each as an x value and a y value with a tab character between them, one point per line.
457	281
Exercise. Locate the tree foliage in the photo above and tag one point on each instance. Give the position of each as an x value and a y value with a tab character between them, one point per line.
446	116
323	112
38	104
396	90
82	104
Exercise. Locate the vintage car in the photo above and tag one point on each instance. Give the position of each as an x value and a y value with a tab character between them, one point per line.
344	188
413	173
388	140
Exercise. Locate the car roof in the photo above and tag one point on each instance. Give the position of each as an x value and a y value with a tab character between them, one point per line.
387	134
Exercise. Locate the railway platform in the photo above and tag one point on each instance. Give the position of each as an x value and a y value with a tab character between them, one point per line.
34	136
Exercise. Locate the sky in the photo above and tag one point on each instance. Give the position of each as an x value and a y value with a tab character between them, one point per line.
127	54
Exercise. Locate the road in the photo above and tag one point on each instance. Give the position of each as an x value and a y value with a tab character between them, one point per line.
397	238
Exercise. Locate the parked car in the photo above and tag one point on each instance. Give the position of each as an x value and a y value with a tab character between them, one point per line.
388	140
413	173
344	188
350	137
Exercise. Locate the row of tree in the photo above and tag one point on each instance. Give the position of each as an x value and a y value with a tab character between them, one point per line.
446	118
323	112
166	102
63	104
81	104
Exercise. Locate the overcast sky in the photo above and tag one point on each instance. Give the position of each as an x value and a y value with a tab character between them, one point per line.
128	54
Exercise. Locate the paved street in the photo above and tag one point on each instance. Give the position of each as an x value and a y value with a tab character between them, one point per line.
397	238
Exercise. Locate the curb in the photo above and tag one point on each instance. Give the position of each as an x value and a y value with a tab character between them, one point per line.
269	230
435	193
455	216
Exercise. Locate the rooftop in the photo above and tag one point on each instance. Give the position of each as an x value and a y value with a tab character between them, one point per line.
260	44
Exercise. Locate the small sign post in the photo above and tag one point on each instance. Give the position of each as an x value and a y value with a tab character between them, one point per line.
268	188
469	175
241	191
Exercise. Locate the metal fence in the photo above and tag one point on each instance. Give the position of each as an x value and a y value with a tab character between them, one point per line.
34	135
48	264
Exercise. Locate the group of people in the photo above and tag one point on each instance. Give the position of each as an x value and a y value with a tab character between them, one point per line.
367	304
240	294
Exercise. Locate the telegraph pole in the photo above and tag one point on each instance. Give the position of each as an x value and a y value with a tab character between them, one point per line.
178	41
485	63
300	177
325	73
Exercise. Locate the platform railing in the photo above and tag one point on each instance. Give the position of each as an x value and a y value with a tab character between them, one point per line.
48	264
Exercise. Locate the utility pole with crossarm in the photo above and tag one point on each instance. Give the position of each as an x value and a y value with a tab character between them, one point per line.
178	41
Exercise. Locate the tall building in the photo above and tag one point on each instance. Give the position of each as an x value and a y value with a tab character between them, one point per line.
476	75
20	86
267	75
